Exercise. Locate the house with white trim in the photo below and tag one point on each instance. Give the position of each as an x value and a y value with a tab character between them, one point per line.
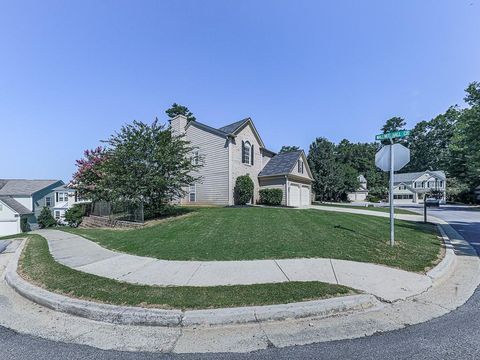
22	199
238	149
413	187
362	191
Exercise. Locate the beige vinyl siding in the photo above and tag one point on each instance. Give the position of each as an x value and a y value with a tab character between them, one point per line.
213	150
305	171
275	183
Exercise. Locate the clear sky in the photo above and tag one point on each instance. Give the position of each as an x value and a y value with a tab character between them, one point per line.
72	72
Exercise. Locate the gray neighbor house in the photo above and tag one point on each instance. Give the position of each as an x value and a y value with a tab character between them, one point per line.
25	199
237	149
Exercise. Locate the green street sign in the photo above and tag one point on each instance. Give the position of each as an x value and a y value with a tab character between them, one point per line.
393	135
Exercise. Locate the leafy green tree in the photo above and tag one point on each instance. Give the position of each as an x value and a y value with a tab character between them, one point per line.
74	215
465	144
147	163
333	179
286	148
45	219
395	123
177	109
430	142
243	191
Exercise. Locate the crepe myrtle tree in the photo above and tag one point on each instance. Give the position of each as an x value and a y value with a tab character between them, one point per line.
146	162
90	178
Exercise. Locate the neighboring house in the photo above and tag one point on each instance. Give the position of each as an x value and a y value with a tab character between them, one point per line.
412	187
477	193
20	198
361	193
63	199
237	149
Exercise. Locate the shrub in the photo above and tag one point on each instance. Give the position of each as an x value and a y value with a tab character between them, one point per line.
243	191
45	219
75	214
271	196
24	225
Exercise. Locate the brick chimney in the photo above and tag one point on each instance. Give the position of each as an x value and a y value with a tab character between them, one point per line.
178	124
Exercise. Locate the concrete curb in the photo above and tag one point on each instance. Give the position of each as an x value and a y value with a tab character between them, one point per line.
129	315
4	244
446	266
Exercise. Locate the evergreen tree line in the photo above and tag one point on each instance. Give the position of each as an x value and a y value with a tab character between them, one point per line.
449	142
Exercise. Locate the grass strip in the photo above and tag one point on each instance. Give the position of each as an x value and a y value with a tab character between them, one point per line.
38	266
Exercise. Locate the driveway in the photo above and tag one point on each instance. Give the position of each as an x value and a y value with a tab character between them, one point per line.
453	336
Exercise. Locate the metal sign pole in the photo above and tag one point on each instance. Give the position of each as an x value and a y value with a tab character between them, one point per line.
392	229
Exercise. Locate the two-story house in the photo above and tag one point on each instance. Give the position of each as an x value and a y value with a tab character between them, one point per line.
25	199
413	187
237	149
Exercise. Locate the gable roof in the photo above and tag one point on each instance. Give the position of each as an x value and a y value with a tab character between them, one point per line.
281	164
409	177
15	205
23	187
231	128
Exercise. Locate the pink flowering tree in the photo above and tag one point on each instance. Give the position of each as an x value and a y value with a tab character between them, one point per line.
90	179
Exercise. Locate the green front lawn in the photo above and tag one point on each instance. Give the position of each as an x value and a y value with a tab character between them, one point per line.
38	266
272	233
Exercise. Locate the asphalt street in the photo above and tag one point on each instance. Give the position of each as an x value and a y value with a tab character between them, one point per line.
453	336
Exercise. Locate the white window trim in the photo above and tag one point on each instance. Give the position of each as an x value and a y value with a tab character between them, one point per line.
195	160
194	193
247	153
49	198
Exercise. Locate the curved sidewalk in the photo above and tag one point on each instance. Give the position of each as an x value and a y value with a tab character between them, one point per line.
386	283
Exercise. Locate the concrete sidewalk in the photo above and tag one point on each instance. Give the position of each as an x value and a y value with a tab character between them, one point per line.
386	283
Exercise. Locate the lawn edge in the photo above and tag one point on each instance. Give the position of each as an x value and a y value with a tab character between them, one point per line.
134	315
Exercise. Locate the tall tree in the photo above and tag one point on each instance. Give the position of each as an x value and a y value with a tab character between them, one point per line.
333	179
177	109
286	148
394	124
465	144
430	140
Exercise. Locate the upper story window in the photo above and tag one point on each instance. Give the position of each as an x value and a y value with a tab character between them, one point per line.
247	153
62	196
402	187
195	160
48	201
300	166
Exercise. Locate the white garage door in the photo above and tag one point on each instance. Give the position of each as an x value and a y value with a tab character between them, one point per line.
294	195
305	196
8	228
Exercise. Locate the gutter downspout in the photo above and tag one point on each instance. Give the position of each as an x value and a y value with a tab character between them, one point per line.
286	191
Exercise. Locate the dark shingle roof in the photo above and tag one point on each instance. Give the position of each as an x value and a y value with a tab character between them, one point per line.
408	177
281	164
24	187
231	128
15	205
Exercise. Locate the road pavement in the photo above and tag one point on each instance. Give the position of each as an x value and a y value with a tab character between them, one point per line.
453	336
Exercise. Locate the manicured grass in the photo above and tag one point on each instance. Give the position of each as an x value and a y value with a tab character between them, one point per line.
272	233
370	208
38	266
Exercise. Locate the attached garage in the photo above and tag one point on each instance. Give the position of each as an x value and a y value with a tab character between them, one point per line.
290	173
305	196
294	195
11	213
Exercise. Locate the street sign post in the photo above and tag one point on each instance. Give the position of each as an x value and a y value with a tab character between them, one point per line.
391	158
393	135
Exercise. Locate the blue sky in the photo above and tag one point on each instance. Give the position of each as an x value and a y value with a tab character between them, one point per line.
71	73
